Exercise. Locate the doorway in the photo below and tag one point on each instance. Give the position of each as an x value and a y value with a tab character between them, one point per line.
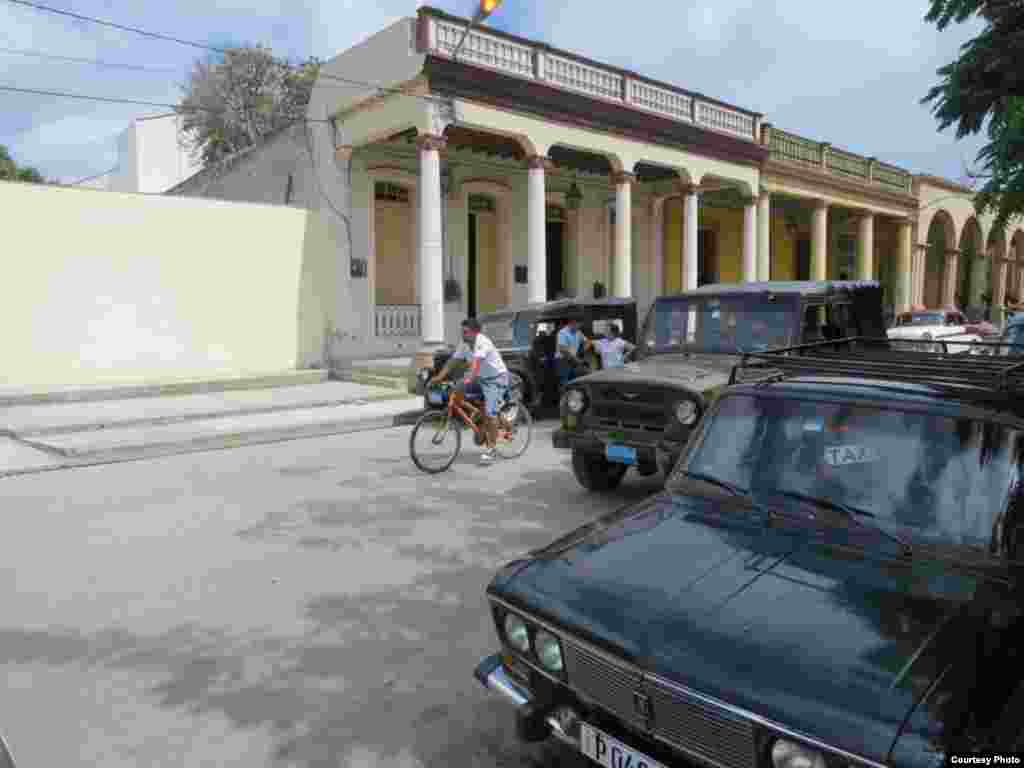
483	292
803	258
707	257
555	255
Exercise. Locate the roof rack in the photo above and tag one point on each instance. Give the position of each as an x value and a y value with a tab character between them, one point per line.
880	359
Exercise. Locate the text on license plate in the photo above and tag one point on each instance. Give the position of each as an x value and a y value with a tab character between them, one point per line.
611	753
621	454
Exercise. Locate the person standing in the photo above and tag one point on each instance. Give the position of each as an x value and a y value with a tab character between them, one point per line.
570	344
487	376
614	349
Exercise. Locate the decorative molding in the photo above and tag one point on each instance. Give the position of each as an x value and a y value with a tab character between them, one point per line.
484	185
430	141
686	188
393	173
779	173
623	177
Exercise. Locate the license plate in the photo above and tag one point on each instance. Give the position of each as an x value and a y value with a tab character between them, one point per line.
611	753
621	454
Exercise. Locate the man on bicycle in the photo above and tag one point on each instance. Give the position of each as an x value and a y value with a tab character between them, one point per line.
487	376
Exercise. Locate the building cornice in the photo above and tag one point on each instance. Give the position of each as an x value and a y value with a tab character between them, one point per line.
786	171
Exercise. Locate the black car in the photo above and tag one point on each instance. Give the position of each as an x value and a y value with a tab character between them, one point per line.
641	415
832	577
525	336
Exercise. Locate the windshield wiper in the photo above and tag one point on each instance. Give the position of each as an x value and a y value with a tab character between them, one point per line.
852	513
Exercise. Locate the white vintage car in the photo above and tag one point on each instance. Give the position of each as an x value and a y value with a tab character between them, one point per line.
938	325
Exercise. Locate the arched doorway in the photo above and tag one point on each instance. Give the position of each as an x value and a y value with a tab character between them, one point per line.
941	240
973	283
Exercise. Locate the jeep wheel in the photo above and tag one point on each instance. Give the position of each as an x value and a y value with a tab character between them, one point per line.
595	473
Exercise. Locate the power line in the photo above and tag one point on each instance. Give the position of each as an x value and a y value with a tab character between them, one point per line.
91	178
80	60
135	102
205	47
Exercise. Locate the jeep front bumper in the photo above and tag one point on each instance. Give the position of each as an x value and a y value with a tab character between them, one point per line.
662	453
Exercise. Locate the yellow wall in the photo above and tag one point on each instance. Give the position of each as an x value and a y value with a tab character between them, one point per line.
728	224
102	287
783	250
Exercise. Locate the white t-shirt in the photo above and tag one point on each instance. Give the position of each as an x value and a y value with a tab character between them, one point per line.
613	351
483	349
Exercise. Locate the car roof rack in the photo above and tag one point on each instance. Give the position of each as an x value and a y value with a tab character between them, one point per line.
880	359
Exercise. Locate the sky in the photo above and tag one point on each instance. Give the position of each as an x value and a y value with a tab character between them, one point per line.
851	74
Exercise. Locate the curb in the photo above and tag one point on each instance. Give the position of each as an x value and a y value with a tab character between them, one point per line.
69	460
124	392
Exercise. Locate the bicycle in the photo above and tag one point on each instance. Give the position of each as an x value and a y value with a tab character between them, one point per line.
514	420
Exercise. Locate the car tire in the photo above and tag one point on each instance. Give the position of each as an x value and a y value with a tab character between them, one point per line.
596	473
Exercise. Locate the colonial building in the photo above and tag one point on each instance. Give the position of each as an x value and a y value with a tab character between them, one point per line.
505	170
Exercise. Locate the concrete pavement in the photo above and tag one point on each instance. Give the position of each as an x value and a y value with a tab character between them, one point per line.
56	434
306	604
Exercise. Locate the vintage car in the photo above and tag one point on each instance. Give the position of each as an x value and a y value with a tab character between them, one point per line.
940	324
641	415
525	337
832	578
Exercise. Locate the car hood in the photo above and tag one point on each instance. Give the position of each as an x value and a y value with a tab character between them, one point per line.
917	331
699	372
772	618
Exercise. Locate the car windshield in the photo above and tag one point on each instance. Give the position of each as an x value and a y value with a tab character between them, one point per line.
942	479
720	324
923	318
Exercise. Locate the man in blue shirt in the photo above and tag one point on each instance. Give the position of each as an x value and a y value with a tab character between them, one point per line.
569	348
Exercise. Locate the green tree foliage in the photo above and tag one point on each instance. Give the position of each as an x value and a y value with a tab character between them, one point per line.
983	89
11	171
232	102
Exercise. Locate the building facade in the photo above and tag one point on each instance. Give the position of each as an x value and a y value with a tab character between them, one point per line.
518	172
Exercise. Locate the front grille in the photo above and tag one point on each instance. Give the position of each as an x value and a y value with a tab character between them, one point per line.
632	407
687	723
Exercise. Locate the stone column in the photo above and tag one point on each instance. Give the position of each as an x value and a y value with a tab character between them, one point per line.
866	247
658	243
749	239
431	252
690	198
905	272
819	241
537	259
764	235
623	259
999	270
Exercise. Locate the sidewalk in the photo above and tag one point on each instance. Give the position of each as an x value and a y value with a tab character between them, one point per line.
50	433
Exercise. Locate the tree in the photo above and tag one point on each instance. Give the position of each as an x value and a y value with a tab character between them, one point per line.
11	171
985	87
233	102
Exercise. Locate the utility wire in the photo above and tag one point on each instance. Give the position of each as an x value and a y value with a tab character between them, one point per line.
80	60
91	178
137	102
203	46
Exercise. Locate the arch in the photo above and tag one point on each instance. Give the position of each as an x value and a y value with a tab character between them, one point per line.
525	143
402	283
713	182
973	272
940	241
501	270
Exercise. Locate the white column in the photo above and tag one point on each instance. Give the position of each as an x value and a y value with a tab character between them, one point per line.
690	196
905	268
764	235
623	262
431	267
750	239
999	271
537	259
819	241
866	247
952	278
658	244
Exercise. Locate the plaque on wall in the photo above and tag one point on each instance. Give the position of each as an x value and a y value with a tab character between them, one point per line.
520	273
358	268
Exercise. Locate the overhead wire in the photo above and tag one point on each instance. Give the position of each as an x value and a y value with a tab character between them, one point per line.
83	60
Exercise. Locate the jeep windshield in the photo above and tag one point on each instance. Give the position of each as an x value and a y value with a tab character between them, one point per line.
721	324
923	477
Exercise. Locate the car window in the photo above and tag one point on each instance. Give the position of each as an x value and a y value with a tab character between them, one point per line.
842	321
720	324
945	478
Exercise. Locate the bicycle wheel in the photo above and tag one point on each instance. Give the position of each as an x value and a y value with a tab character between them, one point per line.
440	440
515	430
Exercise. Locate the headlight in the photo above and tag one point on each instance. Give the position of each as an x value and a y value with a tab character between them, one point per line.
549	651
686	412
574	401
515	631
789	754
